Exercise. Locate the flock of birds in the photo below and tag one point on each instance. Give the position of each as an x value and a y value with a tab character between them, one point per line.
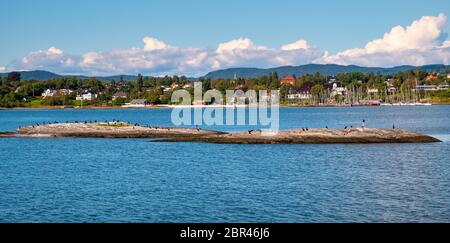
114	121
305	129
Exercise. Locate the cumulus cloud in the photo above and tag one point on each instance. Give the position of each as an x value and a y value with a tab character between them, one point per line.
151	44
423	42
300	44
243	52
53	59
159	58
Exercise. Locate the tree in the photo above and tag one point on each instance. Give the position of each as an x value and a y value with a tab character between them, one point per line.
153	95
139	82
9	100
13	77
119	101
274	81
284	90
52	101
317	89
274	76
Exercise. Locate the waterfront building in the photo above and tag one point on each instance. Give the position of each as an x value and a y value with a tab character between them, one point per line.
443	86
87	95
268	97
426	88
166	88
299	95
390	86
372	91
392	89
49	93
119	94
65	91
139	103
188	86
336	88
332	79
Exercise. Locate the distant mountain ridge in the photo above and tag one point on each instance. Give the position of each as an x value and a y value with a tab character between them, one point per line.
45	75
324	69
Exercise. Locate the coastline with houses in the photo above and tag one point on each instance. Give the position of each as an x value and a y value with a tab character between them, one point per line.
414	87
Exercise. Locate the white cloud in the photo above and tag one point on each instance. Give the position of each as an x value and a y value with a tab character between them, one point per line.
243	52
238	45
158	58
90	58
151	44
300	44
52	59
2	69
423	42
54	51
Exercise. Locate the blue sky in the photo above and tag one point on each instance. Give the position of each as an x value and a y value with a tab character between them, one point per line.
101	26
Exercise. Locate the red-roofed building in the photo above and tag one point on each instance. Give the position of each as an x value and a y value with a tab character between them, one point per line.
431	77
288	80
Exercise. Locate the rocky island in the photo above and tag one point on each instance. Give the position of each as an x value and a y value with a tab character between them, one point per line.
105	130
173	134
313	136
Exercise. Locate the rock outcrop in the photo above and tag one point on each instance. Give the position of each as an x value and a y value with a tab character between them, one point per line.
109	130
313	136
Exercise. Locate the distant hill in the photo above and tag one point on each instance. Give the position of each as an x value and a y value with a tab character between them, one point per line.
35	75
117	77
45	75
324	69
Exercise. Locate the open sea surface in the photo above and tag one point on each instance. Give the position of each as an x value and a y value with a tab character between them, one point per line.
133	180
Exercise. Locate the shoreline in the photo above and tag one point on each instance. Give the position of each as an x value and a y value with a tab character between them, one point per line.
211	106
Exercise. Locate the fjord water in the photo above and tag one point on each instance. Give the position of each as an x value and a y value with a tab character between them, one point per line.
133	180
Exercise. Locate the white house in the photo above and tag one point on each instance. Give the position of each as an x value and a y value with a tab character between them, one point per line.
426	87
443	86
392	89
138	103
65	91
303	93
338	90
188	86
390	86
49	93
372	91
119	94
166	88
86	96
299	96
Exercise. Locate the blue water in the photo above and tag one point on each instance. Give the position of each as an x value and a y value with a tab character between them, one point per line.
132	180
